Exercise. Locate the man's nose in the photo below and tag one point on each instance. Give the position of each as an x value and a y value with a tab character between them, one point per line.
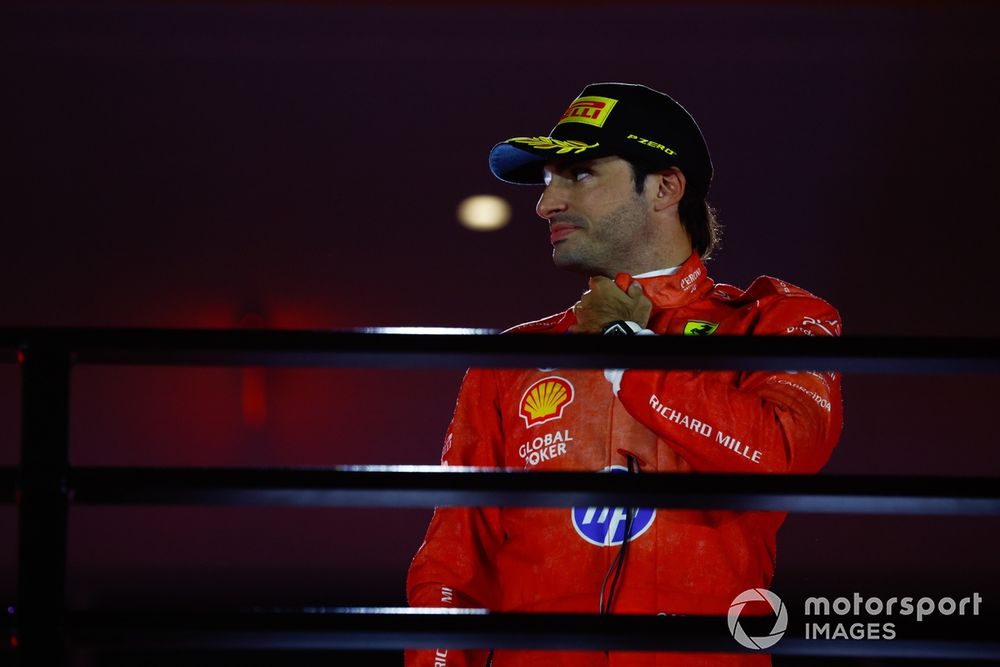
551	202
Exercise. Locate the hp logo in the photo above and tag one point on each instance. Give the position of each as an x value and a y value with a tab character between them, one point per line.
605	526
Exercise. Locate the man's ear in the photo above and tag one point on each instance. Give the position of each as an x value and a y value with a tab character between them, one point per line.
670	184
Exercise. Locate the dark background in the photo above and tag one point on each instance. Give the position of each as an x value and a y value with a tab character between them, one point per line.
297	165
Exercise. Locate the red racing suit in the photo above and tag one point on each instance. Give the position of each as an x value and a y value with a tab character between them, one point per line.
679	562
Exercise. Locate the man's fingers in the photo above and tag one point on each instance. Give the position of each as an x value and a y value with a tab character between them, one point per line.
600	284
635	290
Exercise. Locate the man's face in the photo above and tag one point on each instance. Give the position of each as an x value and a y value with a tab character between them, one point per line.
598	224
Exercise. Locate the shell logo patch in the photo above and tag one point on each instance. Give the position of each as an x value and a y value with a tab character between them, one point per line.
700	328
545	400
592	110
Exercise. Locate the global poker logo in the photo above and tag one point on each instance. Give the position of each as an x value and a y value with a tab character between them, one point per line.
780	623
605	526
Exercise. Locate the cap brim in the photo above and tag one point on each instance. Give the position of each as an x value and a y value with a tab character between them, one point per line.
521	159
515	164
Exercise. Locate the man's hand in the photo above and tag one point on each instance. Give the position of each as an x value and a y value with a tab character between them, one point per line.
605	303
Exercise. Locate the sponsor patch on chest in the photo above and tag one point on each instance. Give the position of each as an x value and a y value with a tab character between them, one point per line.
545	400
545	447
607	526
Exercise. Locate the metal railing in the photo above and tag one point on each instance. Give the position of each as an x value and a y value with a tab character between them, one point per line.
44	484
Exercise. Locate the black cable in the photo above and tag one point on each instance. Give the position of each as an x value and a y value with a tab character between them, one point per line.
618	564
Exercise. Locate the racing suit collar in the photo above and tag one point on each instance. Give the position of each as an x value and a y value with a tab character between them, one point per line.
662	272
688	283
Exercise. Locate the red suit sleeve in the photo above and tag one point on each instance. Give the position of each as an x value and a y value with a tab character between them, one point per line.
718	421
454	567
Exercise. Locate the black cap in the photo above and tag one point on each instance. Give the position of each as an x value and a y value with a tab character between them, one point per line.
629	120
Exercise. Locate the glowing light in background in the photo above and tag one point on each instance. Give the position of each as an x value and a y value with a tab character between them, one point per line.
484	213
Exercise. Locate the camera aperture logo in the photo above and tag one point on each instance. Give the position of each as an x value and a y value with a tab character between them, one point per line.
857	617
780	623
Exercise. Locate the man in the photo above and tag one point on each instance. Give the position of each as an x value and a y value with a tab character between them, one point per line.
626	172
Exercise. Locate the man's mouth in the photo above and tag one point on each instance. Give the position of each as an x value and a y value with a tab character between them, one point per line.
561	230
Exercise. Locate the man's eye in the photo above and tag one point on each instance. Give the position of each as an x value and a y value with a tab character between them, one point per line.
581	174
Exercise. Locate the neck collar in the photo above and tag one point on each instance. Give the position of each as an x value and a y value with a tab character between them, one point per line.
670	288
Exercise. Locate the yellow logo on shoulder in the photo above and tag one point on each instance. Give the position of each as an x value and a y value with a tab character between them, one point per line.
700	328
545	400
592	110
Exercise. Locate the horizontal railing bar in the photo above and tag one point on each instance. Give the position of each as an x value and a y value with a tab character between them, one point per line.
191	347
398	628
430	486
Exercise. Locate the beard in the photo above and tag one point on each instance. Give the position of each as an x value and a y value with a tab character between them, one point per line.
607	245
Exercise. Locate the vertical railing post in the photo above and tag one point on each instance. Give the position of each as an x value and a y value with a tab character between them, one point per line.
43	504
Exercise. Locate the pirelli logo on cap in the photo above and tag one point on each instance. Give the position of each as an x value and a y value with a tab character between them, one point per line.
592	110
545	400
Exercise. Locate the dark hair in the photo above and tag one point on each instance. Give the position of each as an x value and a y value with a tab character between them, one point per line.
698	217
